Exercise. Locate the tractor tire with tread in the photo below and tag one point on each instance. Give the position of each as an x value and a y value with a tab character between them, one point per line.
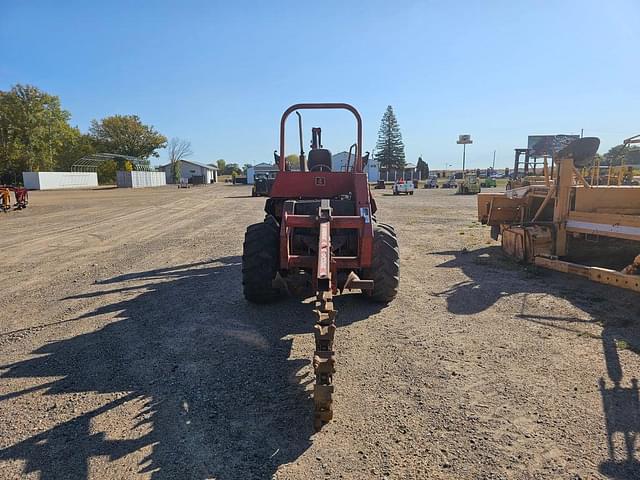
385	265
260	257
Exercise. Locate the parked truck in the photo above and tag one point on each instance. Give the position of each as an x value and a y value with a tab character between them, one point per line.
402	186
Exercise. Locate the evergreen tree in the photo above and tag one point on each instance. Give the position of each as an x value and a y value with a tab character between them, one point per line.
423	168
389	148
177	170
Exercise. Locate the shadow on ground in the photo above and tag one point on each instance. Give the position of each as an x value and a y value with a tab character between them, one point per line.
208	375
493	276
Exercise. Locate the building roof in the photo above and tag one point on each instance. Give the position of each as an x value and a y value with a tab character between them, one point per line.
197	164
407	166
203	165
265	165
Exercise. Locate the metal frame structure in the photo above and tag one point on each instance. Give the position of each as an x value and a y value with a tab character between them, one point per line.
90	163
326	185
536	221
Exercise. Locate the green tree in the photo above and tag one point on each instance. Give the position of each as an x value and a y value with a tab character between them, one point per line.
75	146
231	168
33	130
221	164
422	168
246	167
126	135
389	147
176	166
107	172
292	161
629	154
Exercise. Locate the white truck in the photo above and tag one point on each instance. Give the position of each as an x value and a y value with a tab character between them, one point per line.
403	186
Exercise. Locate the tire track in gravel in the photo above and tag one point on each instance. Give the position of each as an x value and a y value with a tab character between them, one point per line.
148	235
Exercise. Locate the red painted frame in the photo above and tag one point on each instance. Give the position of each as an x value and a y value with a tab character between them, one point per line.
325	185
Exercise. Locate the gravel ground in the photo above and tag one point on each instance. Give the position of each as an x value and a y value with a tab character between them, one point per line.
128	351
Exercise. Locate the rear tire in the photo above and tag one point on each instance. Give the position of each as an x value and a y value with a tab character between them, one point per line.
260	257
385	265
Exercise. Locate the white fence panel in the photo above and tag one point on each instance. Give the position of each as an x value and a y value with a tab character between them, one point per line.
136	179
57	180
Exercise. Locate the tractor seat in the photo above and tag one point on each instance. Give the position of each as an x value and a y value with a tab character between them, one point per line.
319	160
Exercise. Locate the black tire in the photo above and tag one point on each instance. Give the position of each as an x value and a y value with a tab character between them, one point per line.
260	255
385	266
386	226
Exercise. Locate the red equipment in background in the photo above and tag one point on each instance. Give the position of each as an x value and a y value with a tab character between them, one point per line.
21	194
22	197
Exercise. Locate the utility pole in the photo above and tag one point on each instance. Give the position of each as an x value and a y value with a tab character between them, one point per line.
493	165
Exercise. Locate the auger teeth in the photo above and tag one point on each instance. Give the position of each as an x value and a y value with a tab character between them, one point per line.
324	359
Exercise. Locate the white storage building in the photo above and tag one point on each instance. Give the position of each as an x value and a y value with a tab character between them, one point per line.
190	169
140	179
339	164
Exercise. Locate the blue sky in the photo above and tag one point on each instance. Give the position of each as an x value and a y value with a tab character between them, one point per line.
220	73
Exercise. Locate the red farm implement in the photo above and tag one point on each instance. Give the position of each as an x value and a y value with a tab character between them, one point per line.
21	194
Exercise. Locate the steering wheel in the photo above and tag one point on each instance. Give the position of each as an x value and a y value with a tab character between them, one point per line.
320	168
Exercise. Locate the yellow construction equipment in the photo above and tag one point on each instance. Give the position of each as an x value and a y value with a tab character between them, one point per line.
5	199
566	223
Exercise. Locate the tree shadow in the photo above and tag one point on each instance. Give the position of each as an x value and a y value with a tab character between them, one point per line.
493	276
208	375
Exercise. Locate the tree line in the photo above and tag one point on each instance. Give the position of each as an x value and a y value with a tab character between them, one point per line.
35	135
620	155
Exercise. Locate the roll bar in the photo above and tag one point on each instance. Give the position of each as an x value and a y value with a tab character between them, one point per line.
322	106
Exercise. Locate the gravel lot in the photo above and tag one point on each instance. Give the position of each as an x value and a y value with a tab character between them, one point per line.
128	351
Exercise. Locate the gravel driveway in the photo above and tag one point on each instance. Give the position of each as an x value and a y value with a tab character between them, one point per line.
128	351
